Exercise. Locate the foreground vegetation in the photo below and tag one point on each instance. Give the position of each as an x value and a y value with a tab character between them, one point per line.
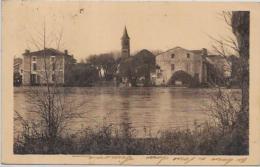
205	140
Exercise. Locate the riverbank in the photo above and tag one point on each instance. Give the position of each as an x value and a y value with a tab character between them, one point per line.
202	140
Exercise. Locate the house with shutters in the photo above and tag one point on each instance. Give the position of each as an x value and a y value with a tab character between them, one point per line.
47	66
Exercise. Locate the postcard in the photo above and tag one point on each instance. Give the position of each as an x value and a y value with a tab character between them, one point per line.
130	83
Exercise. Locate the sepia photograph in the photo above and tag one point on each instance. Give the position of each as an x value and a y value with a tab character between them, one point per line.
115	78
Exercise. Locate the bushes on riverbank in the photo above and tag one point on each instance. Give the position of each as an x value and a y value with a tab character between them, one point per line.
203	140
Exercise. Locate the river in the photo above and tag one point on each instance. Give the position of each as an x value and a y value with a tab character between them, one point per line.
148	110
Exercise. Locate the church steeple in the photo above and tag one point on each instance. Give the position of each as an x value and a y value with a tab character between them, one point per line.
125	43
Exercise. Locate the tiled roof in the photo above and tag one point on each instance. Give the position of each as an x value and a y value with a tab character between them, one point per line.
178	47
215	57
48	51
197	51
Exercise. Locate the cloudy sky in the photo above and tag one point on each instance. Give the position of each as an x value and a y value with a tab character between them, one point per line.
92	28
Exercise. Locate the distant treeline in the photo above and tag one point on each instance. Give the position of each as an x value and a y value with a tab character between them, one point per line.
107	68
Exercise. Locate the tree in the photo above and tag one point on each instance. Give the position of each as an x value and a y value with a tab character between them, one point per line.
52	108
238	136
105	63
240	26
83	74
138	66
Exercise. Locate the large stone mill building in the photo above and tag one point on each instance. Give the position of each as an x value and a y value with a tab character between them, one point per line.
179	66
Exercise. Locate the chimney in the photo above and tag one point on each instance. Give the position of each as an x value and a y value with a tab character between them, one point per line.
27	51
204	51
66	52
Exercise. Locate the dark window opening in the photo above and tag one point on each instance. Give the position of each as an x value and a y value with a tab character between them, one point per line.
188	55
172	67
34	67
53	77
173	55
53	67
34	58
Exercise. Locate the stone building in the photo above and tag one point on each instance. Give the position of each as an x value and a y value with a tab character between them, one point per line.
179	66
125	44
45	66
17	71
18	65
182	67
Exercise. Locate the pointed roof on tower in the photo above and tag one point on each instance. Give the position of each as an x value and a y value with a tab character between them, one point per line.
125	35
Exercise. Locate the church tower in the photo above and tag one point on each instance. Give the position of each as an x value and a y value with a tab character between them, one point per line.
125	43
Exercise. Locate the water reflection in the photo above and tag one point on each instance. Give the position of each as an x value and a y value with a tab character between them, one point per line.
147	110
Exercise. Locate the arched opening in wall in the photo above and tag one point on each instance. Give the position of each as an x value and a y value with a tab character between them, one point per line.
181	79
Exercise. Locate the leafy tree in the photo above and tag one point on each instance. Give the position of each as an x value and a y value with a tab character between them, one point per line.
83	74
104	62
138	66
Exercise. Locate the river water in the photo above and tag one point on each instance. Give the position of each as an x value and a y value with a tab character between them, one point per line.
144	109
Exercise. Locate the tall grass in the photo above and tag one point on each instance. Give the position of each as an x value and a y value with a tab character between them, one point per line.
203	140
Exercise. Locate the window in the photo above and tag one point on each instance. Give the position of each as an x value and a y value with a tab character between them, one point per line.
172	56
188	67
38	79
53	67
34	67
188	55
53	77
34	58
52	59
172	67
53	63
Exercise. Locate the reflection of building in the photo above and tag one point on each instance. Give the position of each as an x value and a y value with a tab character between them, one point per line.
125	43
179	66
44	65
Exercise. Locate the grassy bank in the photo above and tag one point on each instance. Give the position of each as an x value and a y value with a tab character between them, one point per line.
203	140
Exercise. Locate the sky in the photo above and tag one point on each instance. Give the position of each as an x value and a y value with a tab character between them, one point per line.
93	28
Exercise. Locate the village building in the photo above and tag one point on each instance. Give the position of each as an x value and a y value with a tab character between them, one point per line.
17	71
183	67
18	65
45	66
179	66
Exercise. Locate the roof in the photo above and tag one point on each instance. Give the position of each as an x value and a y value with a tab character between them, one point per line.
215	57
18	61
197	51
178	47
125	34
145	52
48	51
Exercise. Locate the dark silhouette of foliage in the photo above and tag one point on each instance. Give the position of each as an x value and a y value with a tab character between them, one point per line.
138	66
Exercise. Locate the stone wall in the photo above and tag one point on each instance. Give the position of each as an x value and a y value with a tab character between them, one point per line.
179	59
